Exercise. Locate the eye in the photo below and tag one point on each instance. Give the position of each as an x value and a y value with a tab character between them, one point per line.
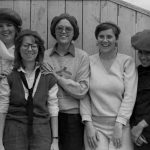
109	36
101	36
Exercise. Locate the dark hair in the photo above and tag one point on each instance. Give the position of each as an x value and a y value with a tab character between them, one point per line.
12	16
72	21
18	43
106	26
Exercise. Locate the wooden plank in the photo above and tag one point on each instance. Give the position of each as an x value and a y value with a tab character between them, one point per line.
126	21
6	4
55	8
91	18
74	8
23	8
143	22
39	18
130	6
109	11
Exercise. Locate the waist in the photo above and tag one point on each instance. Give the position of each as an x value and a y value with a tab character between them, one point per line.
70	111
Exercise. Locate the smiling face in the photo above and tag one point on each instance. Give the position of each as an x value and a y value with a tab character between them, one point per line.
106	41
144	57
29	49
64	32
7	33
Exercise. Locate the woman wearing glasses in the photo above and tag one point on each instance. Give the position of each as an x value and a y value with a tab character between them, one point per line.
10	26
71	68
28	99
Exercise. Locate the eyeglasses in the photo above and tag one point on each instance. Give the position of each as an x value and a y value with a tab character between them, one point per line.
67	29
145	53
33	46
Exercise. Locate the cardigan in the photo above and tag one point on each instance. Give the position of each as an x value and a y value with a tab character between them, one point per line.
112	93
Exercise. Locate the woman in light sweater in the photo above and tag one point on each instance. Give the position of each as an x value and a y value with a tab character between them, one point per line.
10	26
113	85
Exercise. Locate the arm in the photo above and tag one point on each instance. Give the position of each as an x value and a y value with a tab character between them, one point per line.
4	102
130	90
128	101
53	110
79	87
90	131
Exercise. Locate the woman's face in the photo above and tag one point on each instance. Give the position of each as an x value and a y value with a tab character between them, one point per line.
106	41
64	32
7	32
144	57
29	49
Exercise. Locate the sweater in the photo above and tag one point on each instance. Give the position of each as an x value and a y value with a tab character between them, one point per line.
112	93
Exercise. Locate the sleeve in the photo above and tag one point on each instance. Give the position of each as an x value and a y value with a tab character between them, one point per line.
78	88
53	101
85	108
130	89
4	95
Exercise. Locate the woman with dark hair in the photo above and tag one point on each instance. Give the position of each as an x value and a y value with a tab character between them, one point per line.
113	82
28	99
10	26
71	68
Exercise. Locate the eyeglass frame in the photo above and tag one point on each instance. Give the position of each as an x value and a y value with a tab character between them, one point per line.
67	29
26	46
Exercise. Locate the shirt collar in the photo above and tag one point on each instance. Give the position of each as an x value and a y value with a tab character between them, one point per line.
23	70
71	50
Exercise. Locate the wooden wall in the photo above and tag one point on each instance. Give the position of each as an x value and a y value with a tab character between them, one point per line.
37	15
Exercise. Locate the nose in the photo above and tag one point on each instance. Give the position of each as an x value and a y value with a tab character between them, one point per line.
105	39
29	48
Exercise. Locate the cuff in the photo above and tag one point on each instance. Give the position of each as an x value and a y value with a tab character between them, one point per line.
86	118
122	120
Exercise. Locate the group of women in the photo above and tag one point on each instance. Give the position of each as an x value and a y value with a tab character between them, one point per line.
62	98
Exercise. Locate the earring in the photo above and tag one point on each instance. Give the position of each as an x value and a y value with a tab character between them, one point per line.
116	44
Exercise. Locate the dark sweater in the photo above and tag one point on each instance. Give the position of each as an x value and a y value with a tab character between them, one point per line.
142	106
17	106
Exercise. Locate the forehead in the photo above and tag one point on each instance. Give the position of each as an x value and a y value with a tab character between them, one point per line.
108	31
28	39
64	22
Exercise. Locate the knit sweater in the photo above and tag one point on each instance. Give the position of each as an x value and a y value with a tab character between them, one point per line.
73	71
113	92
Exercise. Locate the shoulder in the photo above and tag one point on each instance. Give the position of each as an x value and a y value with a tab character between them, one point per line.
80	53
123	58
94	58
47	53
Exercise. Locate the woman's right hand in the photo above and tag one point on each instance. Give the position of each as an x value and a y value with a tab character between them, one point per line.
91	135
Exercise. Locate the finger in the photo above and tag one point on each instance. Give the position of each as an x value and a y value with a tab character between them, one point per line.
142	138
139	142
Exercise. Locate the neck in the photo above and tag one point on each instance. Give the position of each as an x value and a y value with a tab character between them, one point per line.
108	55
63	48
29	66
9	44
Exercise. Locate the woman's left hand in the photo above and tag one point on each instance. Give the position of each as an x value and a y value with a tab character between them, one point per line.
117	135
54	145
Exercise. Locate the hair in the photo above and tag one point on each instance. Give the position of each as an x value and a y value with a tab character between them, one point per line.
18	59
68	17
106	26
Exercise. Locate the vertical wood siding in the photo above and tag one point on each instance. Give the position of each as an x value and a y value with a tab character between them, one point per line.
37	15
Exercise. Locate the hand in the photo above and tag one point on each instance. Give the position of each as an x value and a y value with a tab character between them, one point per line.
54	145
140	140
137	130
92	135
117	135
46	68
136	133
1	147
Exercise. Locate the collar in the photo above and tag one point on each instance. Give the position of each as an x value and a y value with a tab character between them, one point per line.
71	50
23	70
